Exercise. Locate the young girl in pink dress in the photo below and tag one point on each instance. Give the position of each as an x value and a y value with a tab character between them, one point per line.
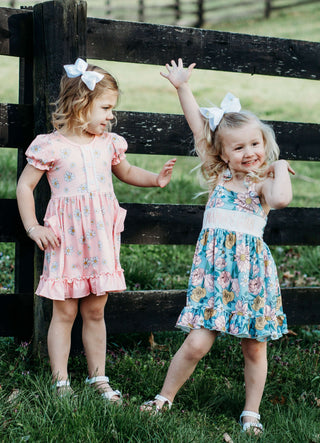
233	286
83	221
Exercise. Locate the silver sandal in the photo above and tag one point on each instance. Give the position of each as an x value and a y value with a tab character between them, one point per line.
108	395
250	424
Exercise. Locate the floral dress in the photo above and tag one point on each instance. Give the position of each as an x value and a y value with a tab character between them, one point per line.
233	286
83	212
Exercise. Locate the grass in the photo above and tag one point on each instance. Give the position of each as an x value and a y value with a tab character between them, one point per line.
205	409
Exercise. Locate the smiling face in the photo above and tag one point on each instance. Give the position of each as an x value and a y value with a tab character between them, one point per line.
101	112
243	148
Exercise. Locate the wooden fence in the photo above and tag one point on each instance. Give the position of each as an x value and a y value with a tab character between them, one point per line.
43	42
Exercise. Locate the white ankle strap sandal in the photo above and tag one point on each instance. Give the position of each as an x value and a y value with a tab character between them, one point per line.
250	424
152	407
108	395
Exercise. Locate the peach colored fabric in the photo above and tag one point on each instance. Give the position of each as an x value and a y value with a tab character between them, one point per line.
83	212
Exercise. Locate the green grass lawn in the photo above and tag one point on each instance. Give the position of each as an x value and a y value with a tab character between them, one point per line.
206	408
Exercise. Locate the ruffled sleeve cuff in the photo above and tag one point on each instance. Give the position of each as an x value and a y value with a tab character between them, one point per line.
120	146
39	154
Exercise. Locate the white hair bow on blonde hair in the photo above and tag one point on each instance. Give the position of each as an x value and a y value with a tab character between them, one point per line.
230	103
89	78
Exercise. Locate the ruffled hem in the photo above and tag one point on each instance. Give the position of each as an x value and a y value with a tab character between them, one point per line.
62	289
258	327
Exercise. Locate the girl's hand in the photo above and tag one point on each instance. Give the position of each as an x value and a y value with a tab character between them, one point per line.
177	75
165	174
44	236
280	163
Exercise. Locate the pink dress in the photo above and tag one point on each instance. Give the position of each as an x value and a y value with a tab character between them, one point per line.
83	212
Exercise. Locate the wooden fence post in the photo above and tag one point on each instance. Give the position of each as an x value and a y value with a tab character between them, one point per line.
60	29
200	13
267	8
141	7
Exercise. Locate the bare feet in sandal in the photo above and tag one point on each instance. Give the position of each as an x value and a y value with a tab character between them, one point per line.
63	388
159	404
101	384
250	423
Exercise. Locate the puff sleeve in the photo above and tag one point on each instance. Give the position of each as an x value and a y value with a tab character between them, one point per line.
40	153
120	146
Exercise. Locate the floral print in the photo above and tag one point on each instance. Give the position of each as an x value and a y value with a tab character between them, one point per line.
83	212
233	286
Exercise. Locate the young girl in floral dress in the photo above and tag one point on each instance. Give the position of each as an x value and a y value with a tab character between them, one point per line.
83	221
233	285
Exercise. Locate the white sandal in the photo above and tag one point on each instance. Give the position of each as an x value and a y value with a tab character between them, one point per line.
152	407
108	395
250	424
63	388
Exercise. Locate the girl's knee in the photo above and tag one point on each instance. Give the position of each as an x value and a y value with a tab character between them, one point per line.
65	311
196	346
93	312
254	350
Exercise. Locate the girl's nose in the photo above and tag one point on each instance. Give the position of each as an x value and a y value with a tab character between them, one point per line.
248	152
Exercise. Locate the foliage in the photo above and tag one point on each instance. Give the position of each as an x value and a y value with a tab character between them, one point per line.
205	409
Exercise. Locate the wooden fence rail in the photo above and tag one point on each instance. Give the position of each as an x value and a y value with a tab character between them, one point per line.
32	36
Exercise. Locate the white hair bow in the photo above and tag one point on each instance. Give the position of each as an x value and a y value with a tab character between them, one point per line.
230	103
89	78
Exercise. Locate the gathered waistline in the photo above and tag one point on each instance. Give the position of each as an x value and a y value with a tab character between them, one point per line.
234	221
110	195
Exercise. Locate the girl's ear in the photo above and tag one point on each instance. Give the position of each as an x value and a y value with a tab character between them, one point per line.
224	157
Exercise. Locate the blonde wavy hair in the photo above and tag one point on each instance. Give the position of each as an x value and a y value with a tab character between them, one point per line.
72	109
212	166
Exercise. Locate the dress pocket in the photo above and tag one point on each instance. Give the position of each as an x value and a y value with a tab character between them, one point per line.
117	229
53	223
119	221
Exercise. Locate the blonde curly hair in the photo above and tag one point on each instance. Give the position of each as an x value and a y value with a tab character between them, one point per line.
72	109
210	148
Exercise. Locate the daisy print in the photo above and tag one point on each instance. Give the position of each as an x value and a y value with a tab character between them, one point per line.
90	235
36	149
86	262
94	261
86	211
54	267
83	188
68	176
55	183
71	230
77	214
65	152
101	178
69	250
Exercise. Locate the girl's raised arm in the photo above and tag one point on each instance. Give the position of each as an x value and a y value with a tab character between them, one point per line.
179	77
277	190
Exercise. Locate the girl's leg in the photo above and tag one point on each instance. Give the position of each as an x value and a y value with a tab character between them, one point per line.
197	344
255	374
94	337
59	336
